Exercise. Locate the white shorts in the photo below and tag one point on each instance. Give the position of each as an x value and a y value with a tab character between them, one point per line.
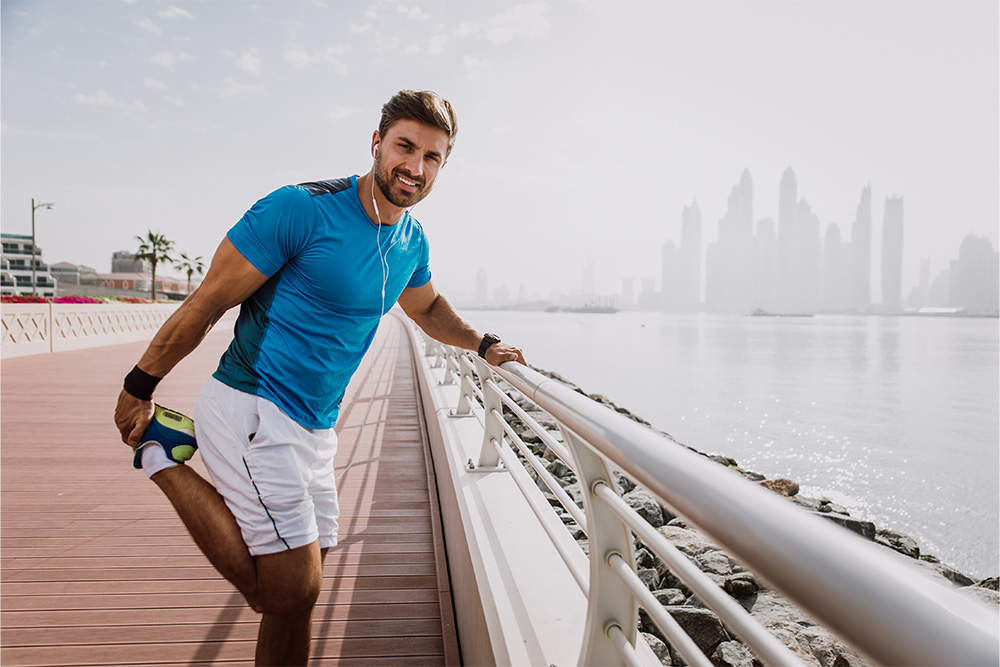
275	475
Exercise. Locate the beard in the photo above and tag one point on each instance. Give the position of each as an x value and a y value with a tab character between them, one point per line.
390	189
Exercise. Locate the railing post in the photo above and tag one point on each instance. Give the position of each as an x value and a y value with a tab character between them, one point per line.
451	367
610	605
467	390
492	427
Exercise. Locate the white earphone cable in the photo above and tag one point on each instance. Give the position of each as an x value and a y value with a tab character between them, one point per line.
384	264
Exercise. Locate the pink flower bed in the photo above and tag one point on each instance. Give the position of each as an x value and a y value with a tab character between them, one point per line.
70	299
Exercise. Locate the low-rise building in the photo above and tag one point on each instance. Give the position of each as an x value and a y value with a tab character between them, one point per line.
19	252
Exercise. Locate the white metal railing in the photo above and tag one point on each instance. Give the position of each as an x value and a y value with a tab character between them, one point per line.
890	613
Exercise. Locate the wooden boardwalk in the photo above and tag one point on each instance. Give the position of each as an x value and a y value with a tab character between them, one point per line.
97	569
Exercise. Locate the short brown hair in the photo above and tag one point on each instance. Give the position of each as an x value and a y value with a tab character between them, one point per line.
423	106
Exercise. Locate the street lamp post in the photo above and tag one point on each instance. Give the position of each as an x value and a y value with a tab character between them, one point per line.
34	207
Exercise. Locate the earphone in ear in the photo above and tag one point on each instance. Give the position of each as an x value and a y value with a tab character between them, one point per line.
375	152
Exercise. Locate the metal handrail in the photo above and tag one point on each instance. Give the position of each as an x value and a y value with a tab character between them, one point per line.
853	588
892	614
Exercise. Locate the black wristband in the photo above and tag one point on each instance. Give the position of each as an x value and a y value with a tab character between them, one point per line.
141	384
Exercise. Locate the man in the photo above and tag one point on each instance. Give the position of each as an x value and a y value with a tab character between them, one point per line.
314	268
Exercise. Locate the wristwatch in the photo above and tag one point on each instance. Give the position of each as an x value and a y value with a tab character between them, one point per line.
488	339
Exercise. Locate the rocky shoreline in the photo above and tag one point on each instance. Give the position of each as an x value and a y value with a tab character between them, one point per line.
811	642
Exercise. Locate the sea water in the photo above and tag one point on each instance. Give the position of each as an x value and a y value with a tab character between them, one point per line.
895	418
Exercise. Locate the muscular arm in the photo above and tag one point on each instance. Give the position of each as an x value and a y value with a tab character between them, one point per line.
230	280
437	317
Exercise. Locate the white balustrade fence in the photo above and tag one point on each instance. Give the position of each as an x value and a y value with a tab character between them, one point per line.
886	611
55	327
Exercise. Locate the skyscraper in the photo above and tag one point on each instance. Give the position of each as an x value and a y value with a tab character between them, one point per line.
975	277
729	271
689	259
788	198
628	293
892	255
861	253
836	272
766	258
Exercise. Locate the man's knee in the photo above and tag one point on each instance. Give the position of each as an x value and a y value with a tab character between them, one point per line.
289	581
287	597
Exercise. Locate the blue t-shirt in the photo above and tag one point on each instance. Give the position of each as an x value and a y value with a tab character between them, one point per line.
301	336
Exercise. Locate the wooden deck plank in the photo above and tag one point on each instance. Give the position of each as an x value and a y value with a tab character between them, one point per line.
74	618
96	569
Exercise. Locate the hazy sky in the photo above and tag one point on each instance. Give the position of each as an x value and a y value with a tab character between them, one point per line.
585	127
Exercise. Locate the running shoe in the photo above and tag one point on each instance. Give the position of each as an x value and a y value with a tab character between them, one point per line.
172	431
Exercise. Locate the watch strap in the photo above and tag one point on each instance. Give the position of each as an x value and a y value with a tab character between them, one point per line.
488	339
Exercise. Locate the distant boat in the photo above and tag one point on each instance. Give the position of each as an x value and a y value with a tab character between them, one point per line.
593	309
760	312
589	308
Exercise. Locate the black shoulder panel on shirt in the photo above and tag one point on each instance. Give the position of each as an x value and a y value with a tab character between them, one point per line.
330	187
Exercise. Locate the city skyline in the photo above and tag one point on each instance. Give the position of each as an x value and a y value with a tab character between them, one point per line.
169	116
794	266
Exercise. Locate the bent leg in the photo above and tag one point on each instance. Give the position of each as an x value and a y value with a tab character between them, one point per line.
290	583
212	526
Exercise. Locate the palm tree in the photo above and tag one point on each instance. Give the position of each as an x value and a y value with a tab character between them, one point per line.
190	266
155	248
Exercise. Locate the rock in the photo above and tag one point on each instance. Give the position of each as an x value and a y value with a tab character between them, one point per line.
741	585
724	461
659	649
694	600
670	596
813	644
993	583
702	625
865	529
810	504
904	544
622	480
648	577
714	562
560	470
643	558
771	609
954	576
732	654
833	507
667	514
783	487
688	541
668	579
575	492
646	505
